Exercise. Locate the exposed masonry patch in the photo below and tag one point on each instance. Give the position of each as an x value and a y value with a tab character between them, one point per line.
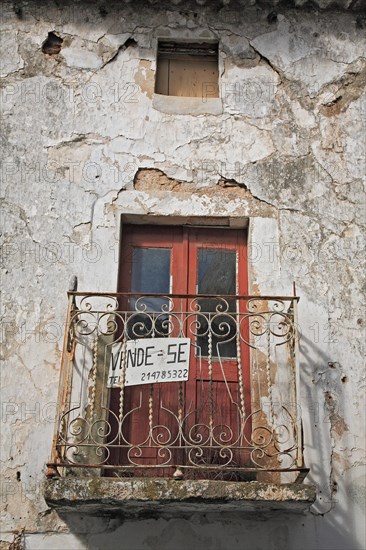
52	45
349	89
338	94
160	195
144	77
153	180
16	544
130	43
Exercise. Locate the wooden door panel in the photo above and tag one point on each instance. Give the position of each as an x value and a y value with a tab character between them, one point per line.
223	271
211	393
223	416
228	372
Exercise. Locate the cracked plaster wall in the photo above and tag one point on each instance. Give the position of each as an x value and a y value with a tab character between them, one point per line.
85	140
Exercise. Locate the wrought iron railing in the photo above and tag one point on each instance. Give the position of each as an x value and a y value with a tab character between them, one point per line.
226	407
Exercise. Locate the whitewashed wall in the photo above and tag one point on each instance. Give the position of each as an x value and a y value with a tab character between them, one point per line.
289	130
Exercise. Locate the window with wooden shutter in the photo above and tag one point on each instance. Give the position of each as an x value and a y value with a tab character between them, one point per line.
187	70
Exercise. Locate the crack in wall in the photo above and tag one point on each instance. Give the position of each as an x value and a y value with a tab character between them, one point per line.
274	189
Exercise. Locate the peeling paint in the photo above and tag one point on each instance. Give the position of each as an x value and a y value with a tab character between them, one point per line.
281	152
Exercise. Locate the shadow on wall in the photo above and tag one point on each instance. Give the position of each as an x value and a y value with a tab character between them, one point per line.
330	525
200	532
336	510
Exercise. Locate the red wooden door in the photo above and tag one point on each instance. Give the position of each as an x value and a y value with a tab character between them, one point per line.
219	385
151	263
209	408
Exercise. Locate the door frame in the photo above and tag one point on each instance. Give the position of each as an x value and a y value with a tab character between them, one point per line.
242	289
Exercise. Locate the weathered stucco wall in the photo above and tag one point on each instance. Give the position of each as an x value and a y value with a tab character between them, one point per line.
85	141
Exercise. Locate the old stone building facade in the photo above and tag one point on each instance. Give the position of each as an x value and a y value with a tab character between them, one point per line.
106	127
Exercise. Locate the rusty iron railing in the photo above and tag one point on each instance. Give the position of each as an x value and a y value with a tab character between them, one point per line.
235	415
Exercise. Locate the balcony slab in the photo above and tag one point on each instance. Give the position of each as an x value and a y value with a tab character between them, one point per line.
167	498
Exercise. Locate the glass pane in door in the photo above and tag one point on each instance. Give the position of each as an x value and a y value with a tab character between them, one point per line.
150	274
216	274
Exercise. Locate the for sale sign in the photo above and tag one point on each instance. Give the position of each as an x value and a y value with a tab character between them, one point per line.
149	361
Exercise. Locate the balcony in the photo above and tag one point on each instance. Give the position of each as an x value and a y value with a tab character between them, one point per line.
194	395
